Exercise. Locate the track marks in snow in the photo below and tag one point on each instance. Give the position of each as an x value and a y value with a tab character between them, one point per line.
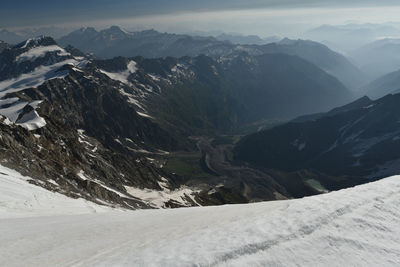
304	231
357	226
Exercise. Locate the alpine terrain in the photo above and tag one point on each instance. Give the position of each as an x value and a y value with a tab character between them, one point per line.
208	133
126	131
115	41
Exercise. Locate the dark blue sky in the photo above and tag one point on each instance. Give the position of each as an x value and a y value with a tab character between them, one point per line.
42	12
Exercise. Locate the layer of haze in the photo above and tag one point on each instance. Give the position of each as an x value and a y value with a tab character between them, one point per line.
284	18
268	17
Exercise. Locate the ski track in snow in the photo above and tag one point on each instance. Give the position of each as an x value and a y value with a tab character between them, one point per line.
353	227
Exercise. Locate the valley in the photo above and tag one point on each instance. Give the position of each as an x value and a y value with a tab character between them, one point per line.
214	167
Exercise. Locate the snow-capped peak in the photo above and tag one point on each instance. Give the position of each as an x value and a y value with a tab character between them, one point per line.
114	32
35	61
38	47
40	51
38	41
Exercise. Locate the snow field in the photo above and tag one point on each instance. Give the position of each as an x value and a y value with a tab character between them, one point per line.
352	227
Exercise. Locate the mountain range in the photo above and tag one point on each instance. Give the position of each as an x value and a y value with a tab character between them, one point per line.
387	84
378	58
247	39
349	37
120	130
114	42
15	36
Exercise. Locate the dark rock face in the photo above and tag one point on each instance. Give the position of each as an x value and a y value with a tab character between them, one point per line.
3	46
61	149
360	141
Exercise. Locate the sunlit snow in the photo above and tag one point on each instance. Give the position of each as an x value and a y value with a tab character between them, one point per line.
40	51
19	198
352	227
12	108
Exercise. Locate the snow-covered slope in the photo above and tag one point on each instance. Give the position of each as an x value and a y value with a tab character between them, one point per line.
20	198
40	51
353	227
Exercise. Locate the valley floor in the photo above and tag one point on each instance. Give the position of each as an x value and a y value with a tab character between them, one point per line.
353	227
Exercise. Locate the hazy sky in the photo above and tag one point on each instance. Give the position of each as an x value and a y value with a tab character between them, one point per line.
267	17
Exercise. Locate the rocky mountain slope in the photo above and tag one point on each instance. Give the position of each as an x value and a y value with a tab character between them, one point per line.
226	93
353	144
65	119
114	42
264	85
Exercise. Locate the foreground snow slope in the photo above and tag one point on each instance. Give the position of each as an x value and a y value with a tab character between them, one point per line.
353	227
19	198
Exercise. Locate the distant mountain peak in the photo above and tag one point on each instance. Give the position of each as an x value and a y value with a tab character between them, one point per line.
114	32
87	30
287	41
115	29
150	31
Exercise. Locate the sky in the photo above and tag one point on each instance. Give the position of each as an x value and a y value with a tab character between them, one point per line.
262	17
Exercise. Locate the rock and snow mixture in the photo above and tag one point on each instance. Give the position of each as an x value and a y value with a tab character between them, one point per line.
24	113
359	226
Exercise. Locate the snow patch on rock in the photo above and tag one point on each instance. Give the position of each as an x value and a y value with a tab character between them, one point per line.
158	199
12	108
123	75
